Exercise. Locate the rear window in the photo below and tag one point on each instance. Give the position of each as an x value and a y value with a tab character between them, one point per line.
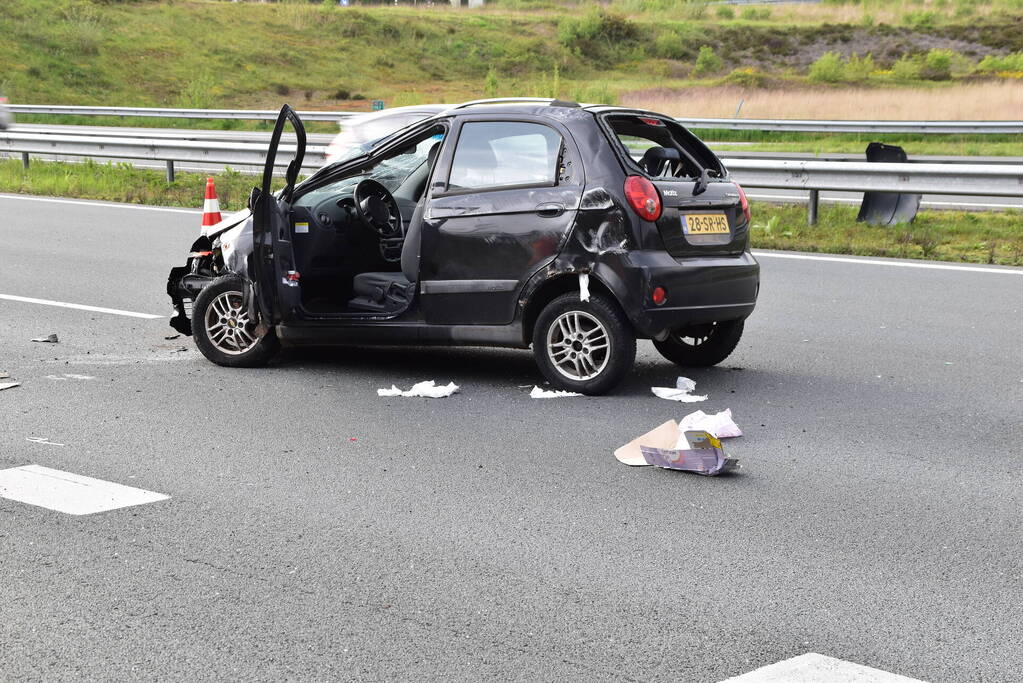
661	148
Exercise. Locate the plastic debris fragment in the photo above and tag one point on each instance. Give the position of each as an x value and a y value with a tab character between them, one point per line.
682	391
537	392
584	286
720	424
427	389
9	385
49	339
43	440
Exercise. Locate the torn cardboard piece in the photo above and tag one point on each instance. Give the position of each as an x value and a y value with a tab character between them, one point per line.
702	455
537	392
48	339
682	391
720	424
427	389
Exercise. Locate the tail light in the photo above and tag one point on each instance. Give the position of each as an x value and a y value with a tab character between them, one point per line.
743	202
659	295
643	197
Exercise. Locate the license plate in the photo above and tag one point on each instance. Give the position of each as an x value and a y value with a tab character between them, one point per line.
705	224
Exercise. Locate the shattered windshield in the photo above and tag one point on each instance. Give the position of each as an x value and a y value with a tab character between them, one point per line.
390	172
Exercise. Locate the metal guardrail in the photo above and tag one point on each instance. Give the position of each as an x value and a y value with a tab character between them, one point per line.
166	113
790	125
994	180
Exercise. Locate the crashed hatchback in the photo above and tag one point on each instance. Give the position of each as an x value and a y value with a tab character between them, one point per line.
573	229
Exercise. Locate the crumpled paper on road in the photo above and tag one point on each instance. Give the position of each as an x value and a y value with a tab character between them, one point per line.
720	425
427	389
702	453
537	392
682	391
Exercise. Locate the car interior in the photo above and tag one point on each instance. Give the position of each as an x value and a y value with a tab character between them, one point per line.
662	148
356	241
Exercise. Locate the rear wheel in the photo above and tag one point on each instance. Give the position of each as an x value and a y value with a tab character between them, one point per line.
222	329
701	345
583	346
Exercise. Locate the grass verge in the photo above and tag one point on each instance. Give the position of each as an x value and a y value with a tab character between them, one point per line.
989	237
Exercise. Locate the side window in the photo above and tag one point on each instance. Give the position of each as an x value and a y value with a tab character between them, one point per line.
497	154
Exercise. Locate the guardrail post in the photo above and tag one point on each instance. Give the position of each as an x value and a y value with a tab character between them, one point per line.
24	160
811	209
170	171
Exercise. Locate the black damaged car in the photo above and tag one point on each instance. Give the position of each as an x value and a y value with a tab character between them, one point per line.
573	229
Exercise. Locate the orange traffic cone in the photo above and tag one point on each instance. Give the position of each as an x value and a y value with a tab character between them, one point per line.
210	206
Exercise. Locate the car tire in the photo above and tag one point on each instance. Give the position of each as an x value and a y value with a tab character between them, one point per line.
232	345
567	344
682	348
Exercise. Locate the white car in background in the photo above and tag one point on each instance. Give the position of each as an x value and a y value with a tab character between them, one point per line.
6	119
365	128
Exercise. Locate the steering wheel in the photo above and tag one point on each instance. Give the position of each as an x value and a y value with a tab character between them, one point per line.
376	208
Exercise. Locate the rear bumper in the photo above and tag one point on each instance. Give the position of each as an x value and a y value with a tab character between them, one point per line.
699	289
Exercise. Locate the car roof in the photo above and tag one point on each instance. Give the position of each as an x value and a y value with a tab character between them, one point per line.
551	108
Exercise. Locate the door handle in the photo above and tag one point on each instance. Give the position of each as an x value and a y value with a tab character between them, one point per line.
550	210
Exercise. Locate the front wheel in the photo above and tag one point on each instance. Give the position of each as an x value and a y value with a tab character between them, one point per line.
583	346
701	345
222	329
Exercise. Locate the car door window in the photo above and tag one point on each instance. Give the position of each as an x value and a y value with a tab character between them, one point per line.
493	154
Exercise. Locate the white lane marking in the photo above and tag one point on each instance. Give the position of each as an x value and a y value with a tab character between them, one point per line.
854	200
813	668
80	307
991	270
109	205
67	492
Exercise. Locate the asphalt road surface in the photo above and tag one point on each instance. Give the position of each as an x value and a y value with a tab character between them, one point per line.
316	531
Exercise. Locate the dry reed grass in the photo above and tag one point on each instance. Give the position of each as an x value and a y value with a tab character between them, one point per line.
966	102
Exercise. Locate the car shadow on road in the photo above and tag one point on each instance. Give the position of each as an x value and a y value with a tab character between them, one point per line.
493	366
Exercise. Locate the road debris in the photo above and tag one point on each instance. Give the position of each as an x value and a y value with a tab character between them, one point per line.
9	385
173	336
43	440
537	392
584	286
702	455
682	391
48	339
427	389
720	424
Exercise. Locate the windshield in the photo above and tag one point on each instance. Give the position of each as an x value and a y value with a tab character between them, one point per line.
391	172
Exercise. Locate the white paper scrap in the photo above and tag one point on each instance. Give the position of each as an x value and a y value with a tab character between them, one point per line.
584	286
682	391
427	389
720	425
9	385
537	392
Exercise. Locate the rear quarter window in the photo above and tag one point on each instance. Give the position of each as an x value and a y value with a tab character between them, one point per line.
660	147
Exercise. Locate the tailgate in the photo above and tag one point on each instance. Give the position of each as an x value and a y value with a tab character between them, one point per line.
709	223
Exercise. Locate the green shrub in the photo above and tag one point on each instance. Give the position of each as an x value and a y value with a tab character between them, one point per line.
746	77
707	62
920	19
756	13
669	45
598	35
906	69
490	83
828	68
724	12
937	65
993	64
858	69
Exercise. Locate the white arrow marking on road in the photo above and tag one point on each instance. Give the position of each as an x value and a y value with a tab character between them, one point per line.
67	492
991	270
814	668
80	307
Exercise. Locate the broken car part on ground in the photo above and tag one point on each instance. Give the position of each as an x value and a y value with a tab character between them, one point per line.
572	229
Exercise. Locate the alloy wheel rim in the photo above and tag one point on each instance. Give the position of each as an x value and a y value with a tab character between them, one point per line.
228	326
578	345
